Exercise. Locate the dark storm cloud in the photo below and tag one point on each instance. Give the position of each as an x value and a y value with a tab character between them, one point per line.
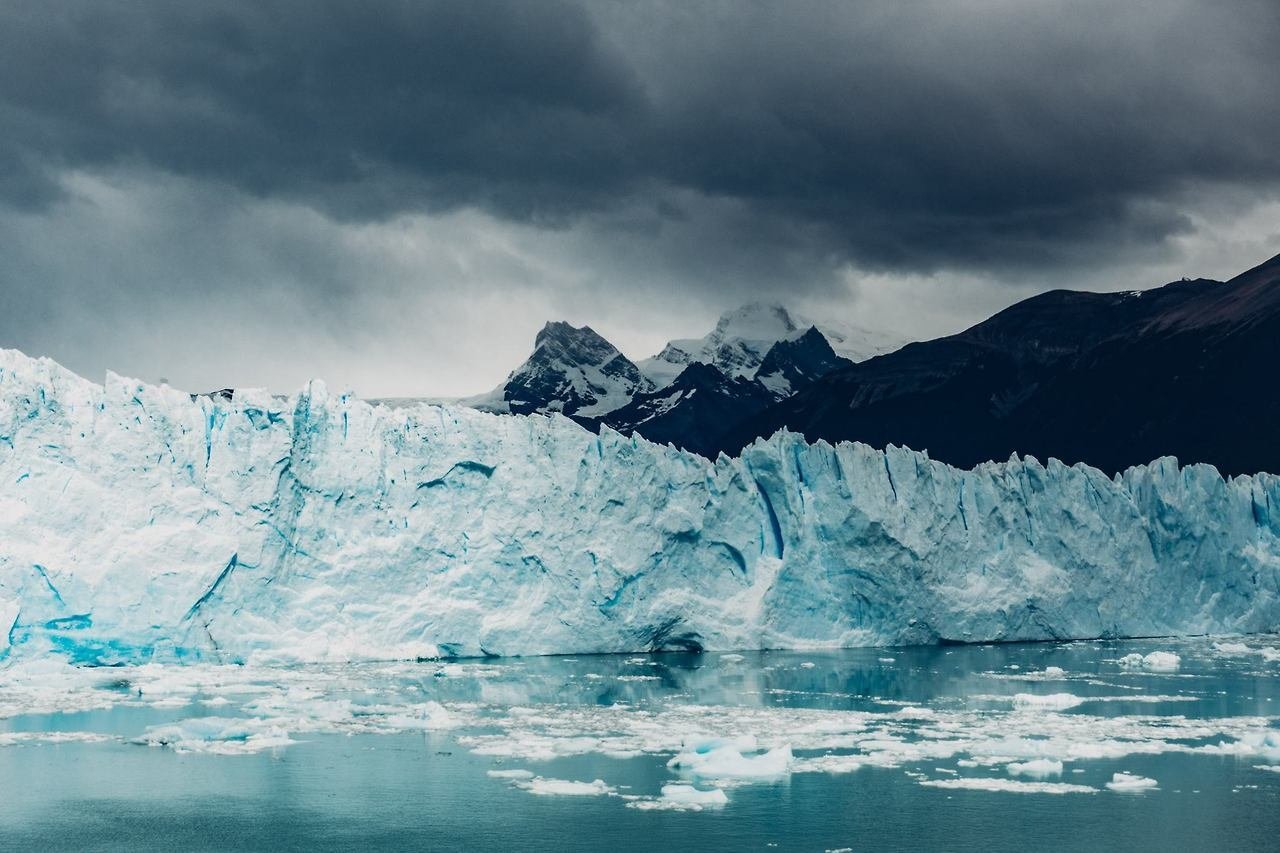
893	135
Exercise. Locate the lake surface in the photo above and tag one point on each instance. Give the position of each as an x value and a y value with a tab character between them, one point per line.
940	748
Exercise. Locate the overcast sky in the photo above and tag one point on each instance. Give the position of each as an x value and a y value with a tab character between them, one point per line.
395	196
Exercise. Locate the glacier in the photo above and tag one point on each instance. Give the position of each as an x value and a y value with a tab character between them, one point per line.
139	523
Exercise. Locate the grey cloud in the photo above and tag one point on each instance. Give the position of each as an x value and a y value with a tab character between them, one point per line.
900	136
396	194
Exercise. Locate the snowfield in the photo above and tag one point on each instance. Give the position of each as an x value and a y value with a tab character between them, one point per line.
137	523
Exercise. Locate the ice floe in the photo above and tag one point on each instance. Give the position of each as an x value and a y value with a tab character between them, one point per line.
1153	662
732	759
1130	782
511	774
1036	768
688	794
218	735
1053	701
1012	786
565	788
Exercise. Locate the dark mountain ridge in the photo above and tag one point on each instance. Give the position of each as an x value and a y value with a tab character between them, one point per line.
1110	379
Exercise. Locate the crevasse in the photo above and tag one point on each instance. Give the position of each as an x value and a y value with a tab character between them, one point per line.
137	523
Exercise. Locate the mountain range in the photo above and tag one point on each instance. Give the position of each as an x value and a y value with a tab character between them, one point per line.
1110	379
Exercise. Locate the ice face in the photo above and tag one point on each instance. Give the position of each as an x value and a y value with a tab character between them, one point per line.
137	523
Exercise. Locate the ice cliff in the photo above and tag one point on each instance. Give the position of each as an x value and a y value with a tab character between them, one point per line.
136	522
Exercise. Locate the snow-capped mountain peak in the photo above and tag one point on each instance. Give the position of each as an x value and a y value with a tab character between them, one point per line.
742	337
796	362
573	370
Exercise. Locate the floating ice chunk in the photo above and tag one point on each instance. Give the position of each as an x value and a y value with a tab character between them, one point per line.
1054	672
914	712
622	754
807	665
679	797
1270	768
689	795
828	764
15	738
511	774
565	788
731	658
1161	662
1130	782
432	717
1036	768
1268	653
725	760
1009	785
1051	702
1265	744
218	735
1153	662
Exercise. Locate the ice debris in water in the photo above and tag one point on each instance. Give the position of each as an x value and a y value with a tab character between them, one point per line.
726	758
679	797
1264	744
324	529
1153	662
218	735
1011	786
565	788
1130	782
511	774
678	793
1037	768
18	738
1053	701
1267	653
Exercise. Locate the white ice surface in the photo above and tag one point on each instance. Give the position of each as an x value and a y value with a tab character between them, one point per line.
1154	661
138	524
1130	782
1037	768
688	794
1011	786
565	787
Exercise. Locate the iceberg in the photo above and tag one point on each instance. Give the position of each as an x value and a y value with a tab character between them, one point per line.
732	759
565	787
1154	662
1037	768
140	523
1130	782
687	794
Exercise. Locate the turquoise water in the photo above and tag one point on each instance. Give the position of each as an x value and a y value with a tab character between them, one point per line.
363	757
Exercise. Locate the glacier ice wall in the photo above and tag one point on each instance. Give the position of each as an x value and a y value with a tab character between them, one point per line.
136	523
